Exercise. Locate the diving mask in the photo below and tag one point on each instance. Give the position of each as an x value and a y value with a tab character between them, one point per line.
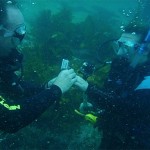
125	48
17	34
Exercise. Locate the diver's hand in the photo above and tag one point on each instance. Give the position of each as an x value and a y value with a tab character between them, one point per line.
81	83
50	82
65	80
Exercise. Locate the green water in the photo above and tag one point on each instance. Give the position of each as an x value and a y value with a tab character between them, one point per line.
81	8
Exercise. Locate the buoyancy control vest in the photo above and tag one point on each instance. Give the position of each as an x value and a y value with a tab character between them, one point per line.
10	70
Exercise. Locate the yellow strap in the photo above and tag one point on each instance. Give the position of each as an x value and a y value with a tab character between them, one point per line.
79	113
88	117
9	107
91	118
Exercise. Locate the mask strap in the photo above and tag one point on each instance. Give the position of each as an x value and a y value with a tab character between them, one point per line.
147	38
144	44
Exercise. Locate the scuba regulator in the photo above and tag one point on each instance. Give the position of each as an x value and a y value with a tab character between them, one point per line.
87	70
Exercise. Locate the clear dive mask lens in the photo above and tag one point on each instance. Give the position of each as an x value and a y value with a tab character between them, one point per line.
20	32
116	46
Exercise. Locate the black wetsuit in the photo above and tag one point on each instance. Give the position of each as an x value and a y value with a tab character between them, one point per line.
21	102
125	120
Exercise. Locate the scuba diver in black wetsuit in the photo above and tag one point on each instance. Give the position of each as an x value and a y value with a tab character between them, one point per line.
20	102
125	97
